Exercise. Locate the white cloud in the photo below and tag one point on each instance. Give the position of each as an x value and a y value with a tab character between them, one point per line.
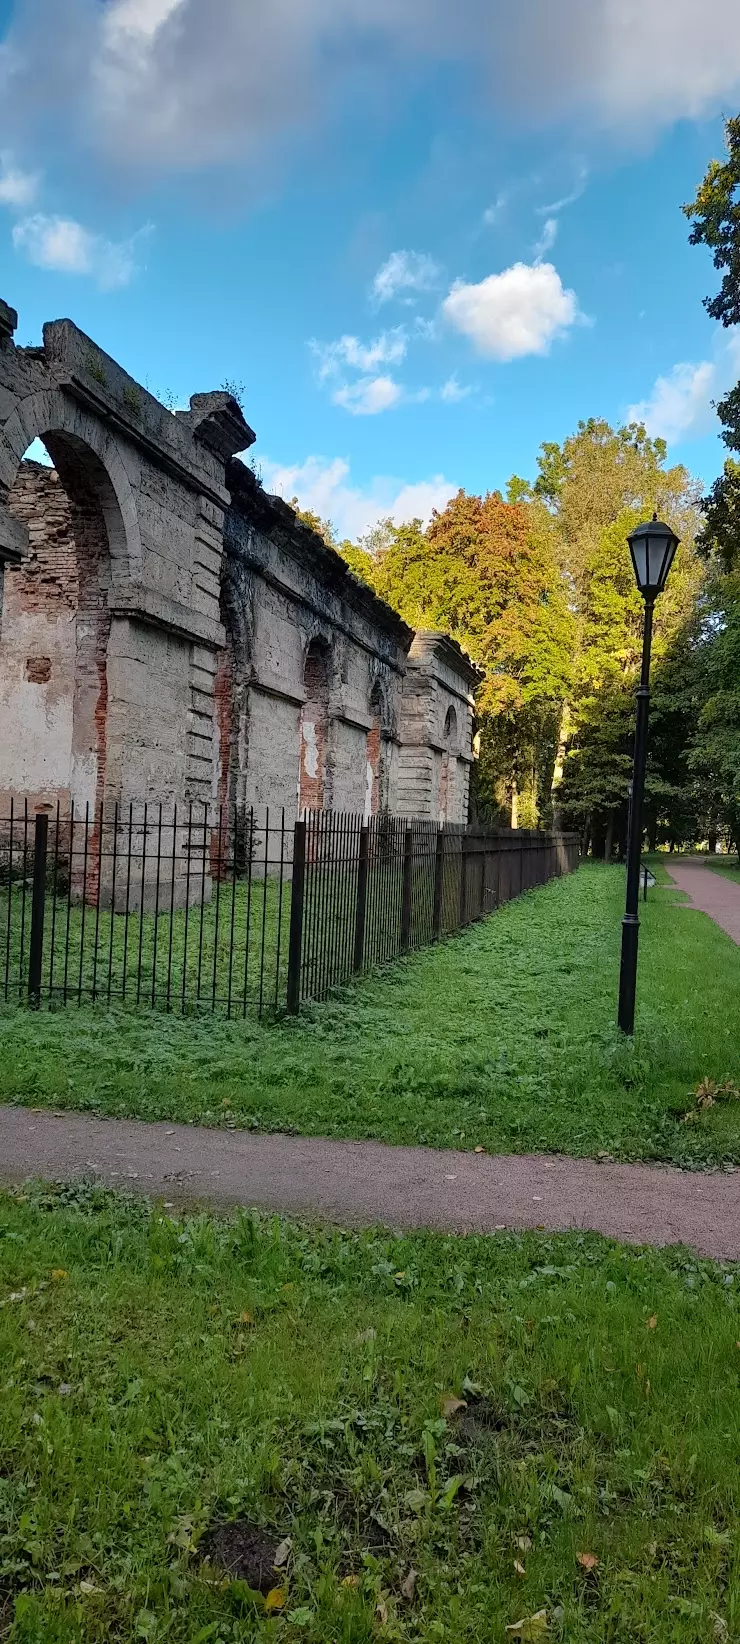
556	206
453	391
63	246
518	312
493	212
349	353
325	487
368	396
680	406
403	272
17	188
547	238
178	85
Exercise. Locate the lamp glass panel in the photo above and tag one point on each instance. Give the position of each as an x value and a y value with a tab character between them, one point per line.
639	550
656	553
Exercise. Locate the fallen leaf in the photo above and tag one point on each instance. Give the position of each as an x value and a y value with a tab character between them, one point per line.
275	1600
519	1567
720	1629
531	1626
652	1322
524	1543
381	1610
282	1553
58	1273
408	1585
449	1404
64	1389
245	1318
480	1150
351	1581
587	1561
89	1587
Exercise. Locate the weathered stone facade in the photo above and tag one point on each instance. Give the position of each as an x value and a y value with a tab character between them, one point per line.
170	631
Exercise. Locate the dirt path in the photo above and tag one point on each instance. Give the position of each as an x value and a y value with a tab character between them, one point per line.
711	893
368	1182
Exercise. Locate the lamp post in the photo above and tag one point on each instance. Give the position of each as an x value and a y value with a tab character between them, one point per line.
652	547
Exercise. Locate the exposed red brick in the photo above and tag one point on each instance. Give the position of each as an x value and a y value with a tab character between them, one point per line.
67	572
373	759
314	731
38	669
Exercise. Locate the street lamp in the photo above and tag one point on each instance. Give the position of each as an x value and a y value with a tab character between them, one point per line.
652	547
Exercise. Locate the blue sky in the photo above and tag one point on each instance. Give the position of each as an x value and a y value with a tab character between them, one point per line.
423	244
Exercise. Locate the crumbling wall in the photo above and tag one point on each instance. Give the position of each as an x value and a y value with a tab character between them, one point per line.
140	535
303	741
436	741
53	642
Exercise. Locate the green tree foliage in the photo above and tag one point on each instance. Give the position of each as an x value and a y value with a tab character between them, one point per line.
488	573
715	216
323	527
714	742
597	486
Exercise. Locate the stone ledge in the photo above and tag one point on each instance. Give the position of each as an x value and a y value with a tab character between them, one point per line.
158	611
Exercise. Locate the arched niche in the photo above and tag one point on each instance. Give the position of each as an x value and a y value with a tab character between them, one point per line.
448	770
377	774
313	774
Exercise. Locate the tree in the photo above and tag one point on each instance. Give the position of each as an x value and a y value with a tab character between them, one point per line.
323	527
714	750
597	486
486	572
715	215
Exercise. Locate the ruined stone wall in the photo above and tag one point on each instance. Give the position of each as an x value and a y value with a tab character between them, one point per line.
127	709
164	618
294	739
54	631
434	763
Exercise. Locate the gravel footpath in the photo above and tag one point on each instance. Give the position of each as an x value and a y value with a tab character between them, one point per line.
357	1183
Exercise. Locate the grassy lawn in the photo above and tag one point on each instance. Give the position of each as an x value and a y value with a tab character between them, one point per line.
503	1037
164	1375
727	865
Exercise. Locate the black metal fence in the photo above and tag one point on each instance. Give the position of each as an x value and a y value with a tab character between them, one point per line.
208	908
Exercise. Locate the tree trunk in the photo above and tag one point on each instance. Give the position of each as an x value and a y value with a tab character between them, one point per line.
712	841
609	841
559	767
514	805
653	833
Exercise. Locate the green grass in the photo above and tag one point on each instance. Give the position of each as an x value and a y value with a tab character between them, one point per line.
231	952
503	1037
162	1374
726	865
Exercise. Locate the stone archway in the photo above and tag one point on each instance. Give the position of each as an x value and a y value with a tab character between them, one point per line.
56	620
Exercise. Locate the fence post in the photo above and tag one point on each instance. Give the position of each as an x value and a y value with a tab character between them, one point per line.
295	942
439	867
463	908
406	893
38	899
362	871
